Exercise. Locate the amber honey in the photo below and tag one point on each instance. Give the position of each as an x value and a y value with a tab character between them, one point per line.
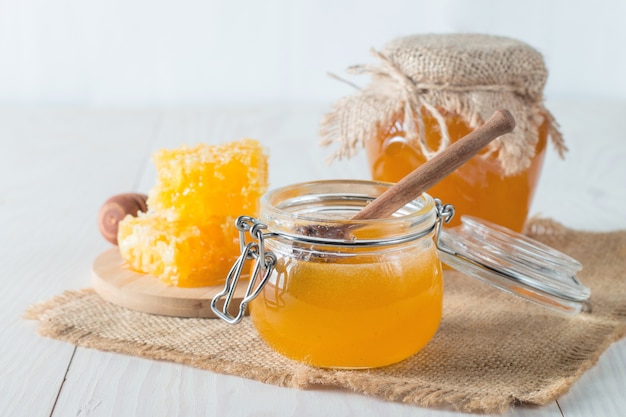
363	311
369	297
479	188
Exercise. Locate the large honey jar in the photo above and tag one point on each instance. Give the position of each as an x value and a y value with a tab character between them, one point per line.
329	291
428	91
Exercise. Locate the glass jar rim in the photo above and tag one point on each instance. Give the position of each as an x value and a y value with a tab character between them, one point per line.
321	211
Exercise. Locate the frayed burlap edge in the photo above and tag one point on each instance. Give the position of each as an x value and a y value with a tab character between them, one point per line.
394	97
55	330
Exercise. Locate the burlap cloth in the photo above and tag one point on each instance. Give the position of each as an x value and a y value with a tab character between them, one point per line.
470	75
491	351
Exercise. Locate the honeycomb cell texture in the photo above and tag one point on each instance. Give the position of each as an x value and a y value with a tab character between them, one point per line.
188	238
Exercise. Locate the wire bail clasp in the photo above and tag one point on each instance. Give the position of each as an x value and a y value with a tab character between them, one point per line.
445	213
263	266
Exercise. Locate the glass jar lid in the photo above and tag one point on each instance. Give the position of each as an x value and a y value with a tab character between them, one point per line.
514	263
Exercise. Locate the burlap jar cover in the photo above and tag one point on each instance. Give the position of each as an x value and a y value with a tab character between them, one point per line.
471	75
492	350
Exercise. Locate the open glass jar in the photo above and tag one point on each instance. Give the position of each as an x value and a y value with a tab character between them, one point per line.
333	292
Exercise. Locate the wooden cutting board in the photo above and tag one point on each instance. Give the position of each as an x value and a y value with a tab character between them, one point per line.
119	285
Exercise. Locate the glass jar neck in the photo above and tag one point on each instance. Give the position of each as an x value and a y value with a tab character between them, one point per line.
321	212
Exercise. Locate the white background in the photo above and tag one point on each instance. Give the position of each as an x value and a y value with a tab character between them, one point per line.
191	52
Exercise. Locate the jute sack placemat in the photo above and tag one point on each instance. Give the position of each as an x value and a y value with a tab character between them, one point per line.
491	351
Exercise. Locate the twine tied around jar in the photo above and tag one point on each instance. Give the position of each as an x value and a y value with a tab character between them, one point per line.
470	75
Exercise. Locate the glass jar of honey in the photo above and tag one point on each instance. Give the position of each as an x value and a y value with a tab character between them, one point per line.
478	188
427	92
370	298
333	292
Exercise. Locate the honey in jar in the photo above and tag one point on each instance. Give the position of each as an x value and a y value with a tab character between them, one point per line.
428	91
479	188
370	298
370	301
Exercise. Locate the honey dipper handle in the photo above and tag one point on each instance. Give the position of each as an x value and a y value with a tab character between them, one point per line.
430	173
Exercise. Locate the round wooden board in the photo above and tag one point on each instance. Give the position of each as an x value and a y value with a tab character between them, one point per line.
119	285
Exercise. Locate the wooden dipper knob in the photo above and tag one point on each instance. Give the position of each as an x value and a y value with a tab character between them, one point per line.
115	209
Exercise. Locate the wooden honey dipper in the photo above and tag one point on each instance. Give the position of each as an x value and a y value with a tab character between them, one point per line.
426	175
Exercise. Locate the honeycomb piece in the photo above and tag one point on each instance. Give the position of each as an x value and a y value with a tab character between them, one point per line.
179	252
204	181
188	237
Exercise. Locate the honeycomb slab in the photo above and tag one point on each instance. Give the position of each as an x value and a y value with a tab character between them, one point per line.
188	238
196	183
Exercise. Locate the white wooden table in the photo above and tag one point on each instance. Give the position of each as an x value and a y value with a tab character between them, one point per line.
58	165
